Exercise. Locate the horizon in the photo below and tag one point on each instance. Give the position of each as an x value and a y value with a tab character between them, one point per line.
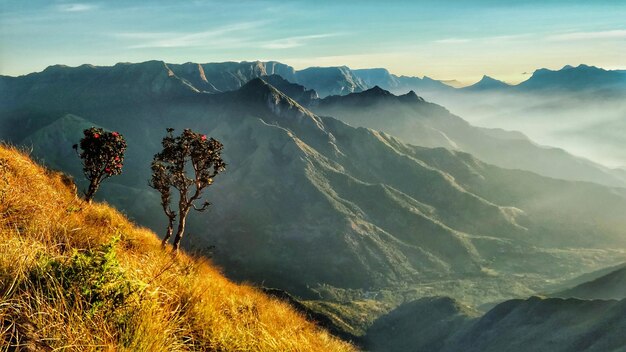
451	82
424	38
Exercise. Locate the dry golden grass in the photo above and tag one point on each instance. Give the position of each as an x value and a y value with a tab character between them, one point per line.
177	304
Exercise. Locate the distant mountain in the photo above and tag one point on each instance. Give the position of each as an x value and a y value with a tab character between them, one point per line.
485	84
609	286
581	78
426	124
330	80
372	96
308	201
580	109
400	84
534	324
453	83
299	93
227	76
378	77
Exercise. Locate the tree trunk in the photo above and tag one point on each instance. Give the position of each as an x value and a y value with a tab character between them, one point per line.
182	218
91	191
168	233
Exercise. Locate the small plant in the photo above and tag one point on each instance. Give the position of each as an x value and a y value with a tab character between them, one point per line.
91	277
102	154
192	152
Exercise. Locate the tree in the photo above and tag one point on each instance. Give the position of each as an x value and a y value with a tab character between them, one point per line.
190	152
102	154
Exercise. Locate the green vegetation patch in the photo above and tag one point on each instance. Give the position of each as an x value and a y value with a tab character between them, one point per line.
91	277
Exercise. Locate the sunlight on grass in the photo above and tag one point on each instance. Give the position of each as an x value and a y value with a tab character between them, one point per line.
140	297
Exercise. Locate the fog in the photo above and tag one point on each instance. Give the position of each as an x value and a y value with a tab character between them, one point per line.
591	125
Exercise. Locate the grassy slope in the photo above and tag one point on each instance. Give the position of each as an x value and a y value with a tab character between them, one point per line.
174	304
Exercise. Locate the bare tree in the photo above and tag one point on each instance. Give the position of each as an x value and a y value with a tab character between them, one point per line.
191	153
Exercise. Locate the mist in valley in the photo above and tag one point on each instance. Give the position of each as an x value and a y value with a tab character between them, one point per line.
590	125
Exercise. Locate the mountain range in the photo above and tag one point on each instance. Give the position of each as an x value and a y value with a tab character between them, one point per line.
423	123
313	204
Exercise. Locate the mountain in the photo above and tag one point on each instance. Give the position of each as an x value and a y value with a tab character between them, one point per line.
582	78
300	94
422	123
486	83
82	275
378	77
452	83
421	325
400	84
534	324
579	109
609	286
227	76
330	80
309	202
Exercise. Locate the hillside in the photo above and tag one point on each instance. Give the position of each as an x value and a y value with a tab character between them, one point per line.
533	324
78	276
609	286
421	325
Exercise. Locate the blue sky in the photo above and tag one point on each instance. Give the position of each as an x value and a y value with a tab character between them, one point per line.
441	39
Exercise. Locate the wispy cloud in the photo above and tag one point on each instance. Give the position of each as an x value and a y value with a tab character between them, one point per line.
76	7
611	34
294	42
506	38
224	36
452	41
489	39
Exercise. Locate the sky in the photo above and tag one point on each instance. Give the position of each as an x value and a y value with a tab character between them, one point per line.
446	40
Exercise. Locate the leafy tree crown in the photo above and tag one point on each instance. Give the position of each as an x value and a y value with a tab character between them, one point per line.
203	155
102	153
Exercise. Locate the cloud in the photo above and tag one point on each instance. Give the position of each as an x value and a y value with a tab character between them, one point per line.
452	41
218	37
490	39
76	7
611	34
293	42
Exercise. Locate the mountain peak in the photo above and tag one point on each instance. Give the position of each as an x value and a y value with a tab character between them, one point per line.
295	91
486	83
411	96
375	91
255	84
278	102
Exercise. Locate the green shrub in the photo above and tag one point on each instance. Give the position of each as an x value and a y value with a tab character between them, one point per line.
92	277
